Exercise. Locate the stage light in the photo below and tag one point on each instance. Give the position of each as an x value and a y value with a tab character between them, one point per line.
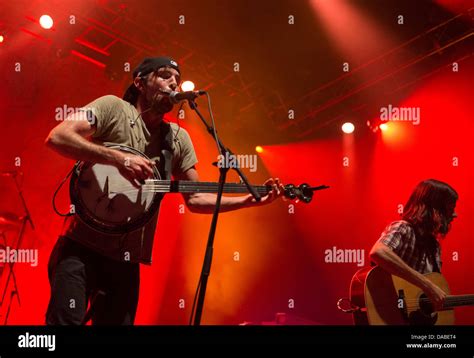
348	128
2	39
187	86
259	149
46	22
383	127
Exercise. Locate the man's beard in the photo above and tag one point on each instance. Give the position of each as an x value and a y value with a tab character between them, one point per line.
160	104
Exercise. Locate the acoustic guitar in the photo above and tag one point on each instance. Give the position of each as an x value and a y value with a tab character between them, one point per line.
384	299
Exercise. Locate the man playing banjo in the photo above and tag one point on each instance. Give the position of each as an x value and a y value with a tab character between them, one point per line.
85	261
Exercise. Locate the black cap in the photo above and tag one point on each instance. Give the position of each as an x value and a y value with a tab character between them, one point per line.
148	65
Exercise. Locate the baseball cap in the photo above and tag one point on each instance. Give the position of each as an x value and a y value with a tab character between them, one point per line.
148	65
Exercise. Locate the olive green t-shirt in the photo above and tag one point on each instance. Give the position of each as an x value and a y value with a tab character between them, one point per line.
118	122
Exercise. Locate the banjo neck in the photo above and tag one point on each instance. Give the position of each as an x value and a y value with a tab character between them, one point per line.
184	186
303	192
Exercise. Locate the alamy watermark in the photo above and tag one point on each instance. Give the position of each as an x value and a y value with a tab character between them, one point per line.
66	113
336	255
9	255
408	114
28	340
230	161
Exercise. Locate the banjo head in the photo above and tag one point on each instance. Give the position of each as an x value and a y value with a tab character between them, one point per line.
107	201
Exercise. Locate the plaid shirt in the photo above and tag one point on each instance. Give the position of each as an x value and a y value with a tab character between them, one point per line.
401	238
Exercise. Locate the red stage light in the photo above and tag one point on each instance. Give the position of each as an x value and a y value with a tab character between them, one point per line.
383	127
46	22
2	39
259	149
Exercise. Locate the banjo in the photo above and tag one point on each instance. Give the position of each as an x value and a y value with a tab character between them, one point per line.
107	201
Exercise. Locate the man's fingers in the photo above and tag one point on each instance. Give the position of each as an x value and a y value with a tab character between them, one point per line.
144	170
143	165
282	189
269	181
148	169
139	173
276	186
275	189
132	180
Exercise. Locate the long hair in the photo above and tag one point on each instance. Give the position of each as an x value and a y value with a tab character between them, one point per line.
430	208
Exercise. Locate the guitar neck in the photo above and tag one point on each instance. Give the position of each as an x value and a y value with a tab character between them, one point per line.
184	186
459	300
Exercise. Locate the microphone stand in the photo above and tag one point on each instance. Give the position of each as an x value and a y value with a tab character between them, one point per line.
25	219
206	267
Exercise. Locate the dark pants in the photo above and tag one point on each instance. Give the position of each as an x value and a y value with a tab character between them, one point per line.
77	274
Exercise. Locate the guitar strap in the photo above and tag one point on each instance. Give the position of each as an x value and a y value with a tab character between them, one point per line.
166	153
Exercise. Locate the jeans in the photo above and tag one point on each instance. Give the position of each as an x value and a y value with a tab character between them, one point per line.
77	274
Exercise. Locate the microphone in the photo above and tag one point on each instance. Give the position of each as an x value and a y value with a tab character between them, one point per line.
176	97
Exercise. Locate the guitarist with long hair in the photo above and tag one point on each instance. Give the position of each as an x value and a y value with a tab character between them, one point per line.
409	248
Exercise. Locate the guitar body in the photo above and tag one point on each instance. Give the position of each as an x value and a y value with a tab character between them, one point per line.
107	201
385	299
